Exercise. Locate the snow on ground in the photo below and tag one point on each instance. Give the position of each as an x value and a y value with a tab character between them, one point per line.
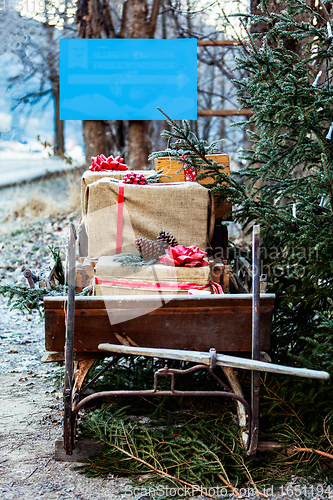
24	162
31	408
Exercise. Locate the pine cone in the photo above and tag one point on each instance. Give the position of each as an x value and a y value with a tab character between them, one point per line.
149	249
167	239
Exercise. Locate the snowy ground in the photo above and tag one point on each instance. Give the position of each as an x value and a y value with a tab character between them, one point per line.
30	404
12	171
30	420
25	162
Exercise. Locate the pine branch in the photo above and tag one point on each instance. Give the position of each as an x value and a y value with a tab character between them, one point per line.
28	299
194	147
164	474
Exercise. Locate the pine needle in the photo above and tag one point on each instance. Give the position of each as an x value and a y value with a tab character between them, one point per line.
161	472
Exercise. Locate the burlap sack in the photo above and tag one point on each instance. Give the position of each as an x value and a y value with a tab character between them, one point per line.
89	177
114	279
183	208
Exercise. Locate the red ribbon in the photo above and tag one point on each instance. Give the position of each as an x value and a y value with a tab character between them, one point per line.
190	174
216	288
148	284
120	214
184	257
100	163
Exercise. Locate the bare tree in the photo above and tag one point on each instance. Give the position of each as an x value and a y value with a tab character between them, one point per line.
94	20
137	23
135	19
38	53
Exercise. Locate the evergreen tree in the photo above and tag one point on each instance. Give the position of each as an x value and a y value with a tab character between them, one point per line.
288	180
287	183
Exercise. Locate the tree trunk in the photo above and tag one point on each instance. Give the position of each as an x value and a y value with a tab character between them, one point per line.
135	24
93	19
94	138
138	145
59	139
53	69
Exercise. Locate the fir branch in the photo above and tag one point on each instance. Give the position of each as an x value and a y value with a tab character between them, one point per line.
157	177
133	260
28	299
162	473
58	268
249	35
195	147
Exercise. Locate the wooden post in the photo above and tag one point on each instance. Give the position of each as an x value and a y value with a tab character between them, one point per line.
255	379
69	345
225	112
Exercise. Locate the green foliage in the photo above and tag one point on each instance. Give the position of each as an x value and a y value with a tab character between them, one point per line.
157	177
191	152
290	164
28	299
197	448
58	269
133	259
204	447
289	168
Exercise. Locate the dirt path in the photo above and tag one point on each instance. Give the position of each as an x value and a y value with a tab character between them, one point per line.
30	420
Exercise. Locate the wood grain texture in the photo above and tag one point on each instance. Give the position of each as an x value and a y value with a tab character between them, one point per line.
196	323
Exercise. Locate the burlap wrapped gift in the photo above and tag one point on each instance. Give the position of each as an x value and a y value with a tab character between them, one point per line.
183	208
89	177
111	278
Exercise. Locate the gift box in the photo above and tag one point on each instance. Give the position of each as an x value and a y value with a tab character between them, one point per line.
117	214
84	273
89	177
111	278
171	165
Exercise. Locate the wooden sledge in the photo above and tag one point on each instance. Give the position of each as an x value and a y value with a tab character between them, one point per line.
222	330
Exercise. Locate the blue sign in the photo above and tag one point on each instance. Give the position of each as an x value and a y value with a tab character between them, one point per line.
128	79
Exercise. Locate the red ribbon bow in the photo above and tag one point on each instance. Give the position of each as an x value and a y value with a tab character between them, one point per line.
101	163
184	256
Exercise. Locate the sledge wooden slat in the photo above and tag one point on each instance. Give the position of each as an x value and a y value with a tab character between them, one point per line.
196	323
54	357
176	301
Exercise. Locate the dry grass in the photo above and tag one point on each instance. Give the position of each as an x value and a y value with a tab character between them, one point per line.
47	197
33	205
74	190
